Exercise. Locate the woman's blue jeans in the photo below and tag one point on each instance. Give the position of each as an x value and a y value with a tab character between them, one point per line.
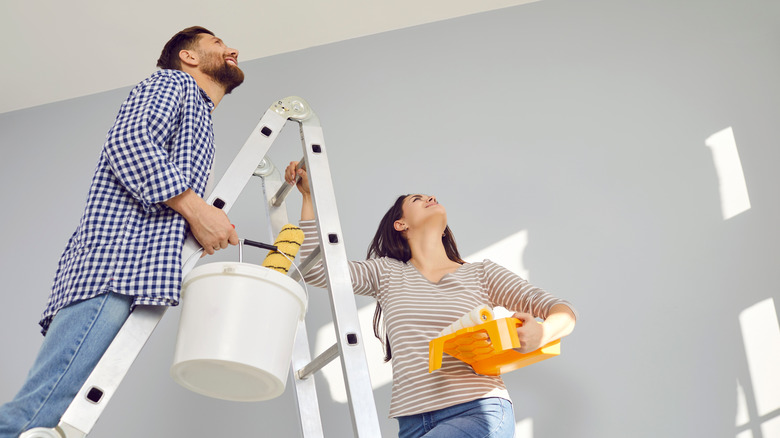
483	418
77	338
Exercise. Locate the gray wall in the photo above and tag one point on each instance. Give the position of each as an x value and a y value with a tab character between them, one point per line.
582	122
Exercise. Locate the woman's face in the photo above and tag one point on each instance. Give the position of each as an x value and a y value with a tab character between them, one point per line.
419	210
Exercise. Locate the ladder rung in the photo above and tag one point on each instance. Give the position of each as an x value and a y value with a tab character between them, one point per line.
278	198
307	264
318	363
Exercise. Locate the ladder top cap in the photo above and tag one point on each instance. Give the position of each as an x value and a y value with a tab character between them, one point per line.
293	107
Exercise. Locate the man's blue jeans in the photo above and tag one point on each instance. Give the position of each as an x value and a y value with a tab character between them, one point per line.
77	338
483	418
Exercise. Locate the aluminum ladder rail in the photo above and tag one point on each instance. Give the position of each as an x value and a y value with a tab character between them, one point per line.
85	410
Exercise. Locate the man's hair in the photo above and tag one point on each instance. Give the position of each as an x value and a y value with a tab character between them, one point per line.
184	40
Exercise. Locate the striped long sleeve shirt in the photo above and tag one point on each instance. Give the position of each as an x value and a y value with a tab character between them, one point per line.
415	310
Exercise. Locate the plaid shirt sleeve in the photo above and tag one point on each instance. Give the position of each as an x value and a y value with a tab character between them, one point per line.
136	147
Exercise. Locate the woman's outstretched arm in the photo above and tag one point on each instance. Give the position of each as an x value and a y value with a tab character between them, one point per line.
307	208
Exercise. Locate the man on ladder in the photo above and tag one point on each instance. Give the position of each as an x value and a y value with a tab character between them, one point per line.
126	252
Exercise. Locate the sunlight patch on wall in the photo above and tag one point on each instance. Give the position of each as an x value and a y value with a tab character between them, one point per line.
771	428
745	434
761	336
524	428
742	412
507	252
734	197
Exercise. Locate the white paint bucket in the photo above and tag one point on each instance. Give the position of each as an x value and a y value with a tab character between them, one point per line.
236	331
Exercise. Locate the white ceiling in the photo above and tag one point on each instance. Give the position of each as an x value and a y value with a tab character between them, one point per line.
55	50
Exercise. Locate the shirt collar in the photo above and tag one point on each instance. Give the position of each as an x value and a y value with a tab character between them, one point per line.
207	99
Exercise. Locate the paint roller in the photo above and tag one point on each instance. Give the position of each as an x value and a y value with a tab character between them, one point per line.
287	244
478	315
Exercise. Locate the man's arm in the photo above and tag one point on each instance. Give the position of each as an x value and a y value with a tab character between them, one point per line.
210	225
137	149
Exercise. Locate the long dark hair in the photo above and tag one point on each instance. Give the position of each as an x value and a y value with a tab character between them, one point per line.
388	242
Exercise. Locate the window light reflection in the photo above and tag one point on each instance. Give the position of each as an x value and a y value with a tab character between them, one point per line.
761	337
734	197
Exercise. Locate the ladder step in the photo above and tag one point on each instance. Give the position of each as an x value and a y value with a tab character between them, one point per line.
307	264
318	363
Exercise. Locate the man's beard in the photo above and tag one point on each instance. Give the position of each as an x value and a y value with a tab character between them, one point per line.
229	76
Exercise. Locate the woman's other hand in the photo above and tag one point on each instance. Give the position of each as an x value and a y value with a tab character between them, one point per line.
530	334
534	335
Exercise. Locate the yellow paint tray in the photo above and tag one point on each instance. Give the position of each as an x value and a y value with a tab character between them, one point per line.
488	348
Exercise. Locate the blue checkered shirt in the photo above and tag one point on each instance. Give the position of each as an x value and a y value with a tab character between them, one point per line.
128	241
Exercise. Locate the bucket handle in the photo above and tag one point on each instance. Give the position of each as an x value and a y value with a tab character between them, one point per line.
252	243
240	249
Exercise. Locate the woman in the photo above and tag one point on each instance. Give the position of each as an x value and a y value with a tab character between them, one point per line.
422	285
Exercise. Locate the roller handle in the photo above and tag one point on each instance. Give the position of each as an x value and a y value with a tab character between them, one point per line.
260	245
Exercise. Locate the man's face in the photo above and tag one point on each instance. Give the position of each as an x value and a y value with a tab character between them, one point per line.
220	62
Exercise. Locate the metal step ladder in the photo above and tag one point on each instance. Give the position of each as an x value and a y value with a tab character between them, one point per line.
251	160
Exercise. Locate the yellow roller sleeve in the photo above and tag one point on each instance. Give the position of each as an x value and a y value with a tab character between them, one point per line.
288	242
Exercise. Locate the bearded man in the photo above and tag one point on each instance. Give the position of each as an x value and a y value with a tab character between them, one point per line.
146	194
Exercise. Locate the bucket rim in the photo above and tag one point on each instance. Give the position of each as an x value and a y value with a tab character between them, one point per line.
252	270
